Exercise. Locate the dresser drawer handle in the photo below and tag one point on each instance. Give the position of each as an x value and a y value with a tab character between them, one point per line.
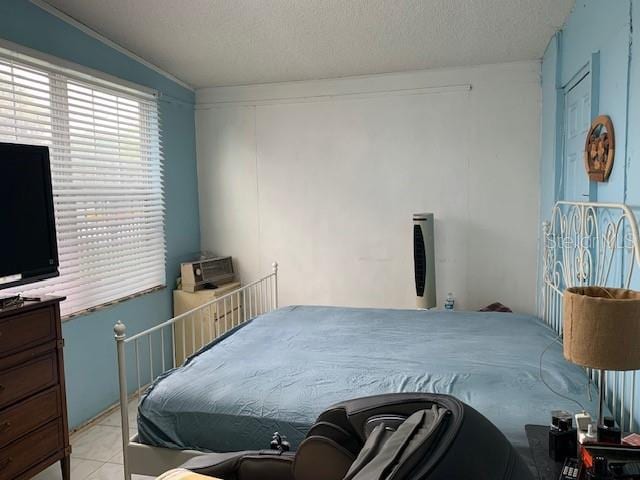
5	463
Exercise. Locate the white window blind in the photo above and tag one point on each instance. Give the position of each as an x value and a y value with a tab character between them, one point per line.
106	166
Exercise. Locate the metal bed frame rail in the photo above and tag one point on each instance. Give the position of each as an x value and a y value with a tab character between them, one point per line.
588	243
212	319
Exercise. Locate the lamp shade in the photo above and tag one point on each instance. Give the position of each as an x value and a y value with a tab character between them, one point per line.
602	327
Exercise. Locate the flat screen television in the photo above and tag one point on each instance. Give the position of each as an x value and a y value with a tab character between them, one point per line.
28	247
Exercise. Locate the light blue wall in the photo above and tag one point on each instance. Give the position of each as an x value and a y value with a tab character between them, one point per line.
594	26
633	147
606	27
549	112
90	350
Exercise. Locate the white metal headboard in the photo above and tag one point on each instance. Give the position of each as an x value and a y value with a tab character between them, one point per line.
592	244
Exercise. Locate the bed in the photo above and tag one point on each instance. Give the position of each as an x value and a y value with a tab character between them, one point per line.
266	368
262	379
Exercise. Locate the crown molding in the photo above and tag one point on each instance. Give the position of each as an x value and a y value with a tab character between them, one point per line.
101	38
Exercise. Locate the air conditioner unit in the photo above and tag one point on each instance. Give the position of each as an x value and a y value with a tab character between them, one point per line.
423	260
206	273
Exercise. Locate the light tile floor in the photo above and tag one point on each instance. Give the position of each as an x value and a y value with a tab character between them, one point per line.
96	451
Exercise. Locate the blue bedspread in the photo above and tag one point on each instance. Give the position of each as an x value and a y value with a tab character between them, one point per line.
278	372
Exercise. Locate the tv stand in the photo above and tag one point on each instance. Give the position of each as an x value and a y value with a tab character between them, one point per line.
33	406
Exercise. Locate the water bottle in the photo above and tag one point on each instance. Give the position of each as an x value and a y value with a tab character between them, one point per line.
449	302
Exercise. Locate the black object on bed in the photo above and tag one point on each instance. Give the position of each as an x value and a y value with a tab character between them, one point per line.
406	436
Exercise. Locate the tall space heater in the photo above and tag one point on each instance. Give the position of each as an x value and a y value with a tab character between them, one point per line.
423	260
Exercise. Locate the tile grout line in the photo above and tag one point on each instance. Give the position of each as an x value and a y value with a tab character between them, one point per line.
92	471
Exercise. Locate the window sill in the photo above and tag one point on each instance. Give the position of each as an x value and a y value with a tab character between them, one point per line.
118	301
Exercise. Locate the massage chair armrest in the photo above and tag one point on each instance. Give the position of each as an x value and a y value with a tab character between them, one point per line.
246	465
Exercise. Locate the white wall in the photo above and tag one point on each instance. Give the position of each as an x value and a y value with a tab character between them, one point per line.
324	177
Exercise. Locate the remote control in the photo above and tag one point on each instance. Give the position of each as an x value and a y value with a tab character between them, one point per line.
570	470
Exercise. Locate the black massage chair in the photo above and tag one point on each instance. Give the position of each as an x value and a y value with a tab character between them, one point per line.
411	436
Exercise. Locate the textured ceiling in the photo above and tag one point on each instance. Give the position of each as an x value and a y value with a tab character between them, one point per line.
235	42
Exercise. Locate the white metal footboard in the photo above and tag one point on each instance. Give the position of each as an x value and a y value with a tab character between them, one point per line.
154	349
592	244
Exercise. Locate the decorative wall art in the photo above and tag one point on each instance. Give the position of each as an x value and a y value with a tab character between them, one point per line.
599	149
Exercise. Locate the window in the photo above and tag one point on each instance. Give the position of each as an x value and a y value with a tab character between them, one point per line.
106	166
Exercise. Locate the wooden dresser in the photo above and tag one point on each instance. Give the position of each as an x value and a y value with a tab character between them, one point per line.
33	405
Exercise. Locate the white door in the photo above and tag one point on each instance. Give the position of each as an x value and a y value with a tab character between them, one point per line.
577	120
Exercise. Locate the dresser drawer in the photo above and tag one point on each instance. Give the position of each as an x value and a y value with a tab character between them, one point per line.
28	378
28	329
29	415
19	456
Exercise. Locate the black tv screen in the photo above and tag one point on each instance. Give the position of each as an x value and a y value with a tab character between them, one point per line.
28	248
